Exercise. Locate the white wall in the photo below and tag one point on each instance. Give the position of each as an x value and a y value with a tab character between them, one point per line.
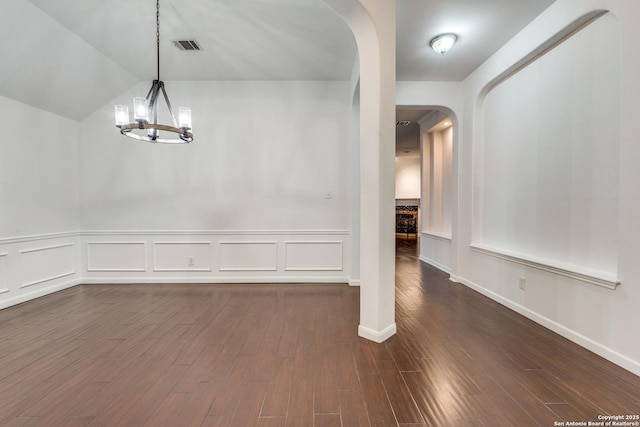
408	177
437	151
247	200
354	166
437	191
263	157
39	216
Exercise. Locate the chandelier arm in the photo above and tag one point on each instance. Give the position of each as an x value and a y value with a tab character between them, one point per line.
154	108
166	98
148	97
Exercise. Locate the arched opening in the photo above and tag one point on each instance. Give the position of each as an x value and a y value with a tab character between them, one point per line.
431	132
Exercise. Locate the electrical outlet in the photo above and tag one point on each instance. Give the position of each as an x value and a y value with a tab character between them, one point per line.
191	261
522	283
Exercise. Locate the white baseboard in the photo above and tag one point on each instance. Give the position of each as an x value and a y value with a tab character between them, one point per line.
583	341
211	280
435	264
377	336
354	282
28	296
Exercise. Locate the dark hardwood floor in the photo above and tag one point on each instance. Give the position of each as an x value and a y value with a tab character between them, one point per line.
289	355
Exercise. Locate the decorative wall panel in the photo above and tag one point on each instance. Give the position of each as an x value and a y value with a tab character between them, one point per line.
313	256
3	273
248	256
181	256
116	256
46	263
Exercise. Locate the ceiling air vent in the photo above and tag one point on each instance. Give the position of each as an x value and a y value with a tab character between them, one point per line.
403	123
186	44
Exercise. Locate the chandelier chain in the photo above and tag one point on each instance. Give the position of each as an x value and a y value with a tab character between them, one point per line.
145	126
158	36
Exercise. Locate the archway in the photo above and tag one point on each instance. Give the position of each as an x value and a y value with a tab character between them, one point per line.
437	137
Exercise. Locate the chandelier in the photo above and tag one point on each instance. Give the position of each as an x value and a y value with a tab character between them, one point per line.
145	126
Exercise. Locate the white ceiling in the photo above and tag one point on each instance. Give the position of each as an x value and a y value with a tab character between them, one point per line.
240	39
482	27
408	136
71	56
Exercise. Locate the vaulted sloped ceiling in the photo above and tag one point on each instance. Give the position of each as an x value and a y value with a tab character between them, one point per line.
240	39
69	57
47	66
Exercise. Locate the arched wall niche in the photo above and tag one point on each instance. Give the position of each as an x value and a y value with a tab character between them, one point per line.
544	171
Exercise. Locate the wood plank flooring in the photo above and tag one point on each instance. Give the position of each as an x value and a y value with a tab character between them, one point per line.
289	355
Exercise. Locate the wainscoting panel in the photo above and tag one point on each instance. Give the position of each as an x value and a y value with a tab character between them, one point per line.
46	263
435	249
181	256
216	256
36	265
122	256
4	287
33	266
248	256
313	256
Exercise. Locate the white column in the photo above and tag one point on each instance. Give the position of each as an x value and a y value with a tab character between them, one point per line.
373	23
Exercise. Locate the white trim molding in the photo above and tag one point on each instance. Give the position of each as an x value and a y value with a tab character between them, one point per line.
377	336
37	237
22	297
44	248
438	235
586	342
435	264
47	279
213	232
209	279
599	278
3	272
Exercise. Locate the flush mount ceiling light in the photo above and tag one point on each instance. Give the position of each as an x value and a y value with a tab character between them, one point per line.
443	42
145	126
